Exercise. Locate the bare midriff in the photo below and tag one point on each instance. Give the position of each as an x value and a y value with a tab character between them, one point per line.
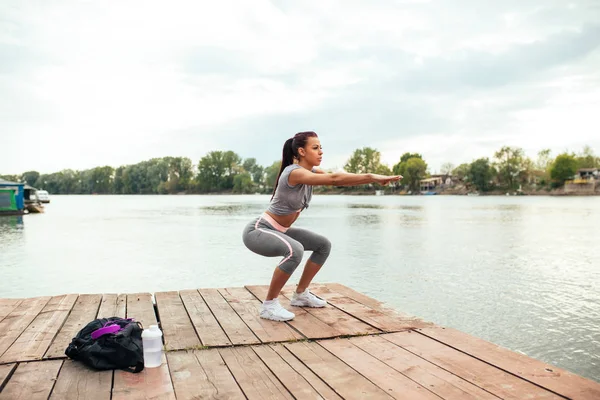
284	220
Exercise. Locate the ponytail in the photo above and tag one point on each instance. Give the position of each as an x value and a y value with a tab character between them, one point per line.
290	150
287	158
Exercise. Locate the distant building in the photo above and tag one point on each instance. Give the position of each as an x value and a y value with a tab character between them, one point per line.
431	183
584	182
588	173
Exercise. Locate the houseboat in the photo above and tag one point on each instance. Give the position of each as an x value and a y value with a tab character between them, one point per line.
12	198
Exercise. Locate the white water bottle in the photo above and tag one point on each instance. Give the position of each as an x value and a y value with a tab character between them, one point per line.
153	347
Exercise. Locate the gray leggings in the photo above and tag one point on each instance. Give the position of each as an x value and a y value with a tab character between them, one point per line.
262	238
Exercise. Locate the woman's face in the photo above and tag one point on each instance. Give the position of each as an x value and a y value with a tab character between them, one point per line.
312	152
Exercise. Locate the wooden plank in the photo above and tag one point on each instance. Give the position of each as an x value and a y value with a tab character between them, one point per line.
255	379
141	308
35	340
176	325
113	306
346	324
5	371
325	391
248	308
84	311
346	382
306	323
434	378
232	324
18	320
365	313
202	375
558	380
205	323
294	382
78	382
151	383
479	373
388	379
7	306
364	299
32	381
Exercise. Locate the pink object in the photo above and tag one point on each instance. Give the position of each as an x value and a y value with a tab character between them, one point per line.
105	331
274	223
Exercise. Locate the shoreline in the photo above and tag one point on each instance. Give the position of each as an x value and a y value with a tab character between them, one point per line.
353	193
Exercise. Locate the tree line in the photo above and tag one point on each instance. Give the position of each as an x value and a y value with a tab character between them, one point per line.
227	172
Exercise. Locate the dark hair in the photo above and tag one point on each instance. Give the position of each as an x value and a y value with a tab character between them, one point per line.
290	150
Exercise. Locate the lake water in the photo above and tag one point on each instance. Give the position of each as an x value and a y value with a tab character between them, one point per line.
522	272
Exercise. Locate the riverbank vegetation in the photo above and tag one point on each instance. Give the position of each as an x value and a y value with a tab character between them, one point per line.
510	169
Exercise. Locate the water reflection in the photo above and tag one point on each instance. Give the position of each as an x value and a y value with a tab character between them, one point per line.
385	206
10	223
367	206
230	209
362	220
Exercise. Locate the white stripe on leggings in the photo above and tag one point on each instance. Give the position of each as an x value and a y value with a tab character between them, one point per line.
280	238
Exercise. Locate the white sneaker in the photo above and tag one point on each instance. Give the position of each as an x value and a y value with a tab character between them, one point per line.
307	299
274	311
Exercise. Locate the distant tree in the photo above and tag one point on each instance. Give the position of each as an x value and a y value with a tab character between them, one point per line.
271	173
587	159
255	170
510	165
217	170
544	160
11	178
242	183
481	174
408	156
462	171
413	170
447	168
30	177
365	160
563	168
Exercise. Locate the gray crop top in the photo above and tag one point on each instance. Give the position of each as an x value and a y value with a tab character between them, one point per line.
290	199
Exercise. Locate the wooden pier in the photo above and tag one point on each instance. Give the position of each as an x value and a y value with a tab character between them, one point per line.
218	347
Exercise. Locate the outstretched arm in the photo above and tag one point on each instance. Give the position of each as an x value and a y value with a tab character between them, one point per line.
320	178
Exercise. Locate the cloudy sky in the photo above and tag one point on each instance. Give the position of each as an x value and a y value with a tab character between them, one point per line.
84	83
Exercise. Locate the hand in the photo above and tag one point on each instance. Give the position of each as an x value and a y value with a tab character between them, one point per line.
385	179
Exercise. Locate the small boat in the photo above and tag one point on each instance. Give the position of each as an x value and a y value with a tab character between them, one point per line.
43	196
33	203
34	208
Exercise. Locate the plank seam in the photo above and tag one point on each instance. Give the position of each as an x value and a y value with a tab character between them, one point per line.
493	365
10	374
217	319
360	319
13	309
190	318
62	363
447	370
170	377
294	369
24	329
236	313
59	329
352	368
313	371
400	372
112	382
228	368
